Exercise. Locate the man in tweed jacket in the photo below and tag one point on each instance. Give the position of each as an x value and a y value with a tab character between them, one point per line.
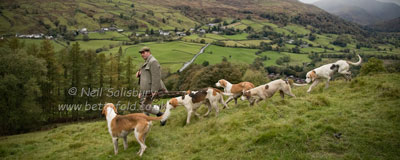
150	82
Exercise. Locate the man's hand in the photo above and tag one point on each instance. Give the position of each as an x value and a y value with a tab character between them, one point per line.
138	73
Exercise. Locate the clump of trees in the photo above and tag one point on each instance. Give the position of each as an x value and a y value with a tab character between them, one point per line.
342	41
35	80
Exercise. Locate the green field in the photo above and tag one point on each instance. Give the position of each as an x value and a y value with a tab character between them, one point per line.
311	49
57	46
214	54
241	36
95	44
297	29
215	36
196	38
257	26
171	55
365	112
105	35
295	59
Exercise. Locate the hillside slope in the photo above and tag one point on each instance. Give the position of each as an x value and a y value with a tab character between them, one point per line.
365	112
25	16
388	26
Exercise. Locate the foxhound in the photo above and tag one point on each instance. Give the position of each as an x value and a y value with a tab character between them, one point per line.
193	100
119	126
268	90
236	89
326	71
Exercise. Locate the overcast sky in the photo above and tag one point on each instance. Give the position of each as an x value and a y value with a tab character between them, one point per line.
308	1
312	1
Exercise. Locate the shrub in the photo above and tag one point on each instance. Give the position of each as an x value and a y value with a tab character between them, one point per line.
255	77
373	65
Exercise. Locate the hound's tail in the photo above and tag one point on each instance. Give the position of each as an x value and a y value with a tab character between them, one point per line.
149	118
356	64
227	94
291	82
214	90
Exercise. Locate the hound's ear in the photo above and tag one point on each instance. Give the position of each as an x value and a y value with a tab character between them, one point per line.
313	75
333	66
115	109
222	82
266	86
104	110
173	102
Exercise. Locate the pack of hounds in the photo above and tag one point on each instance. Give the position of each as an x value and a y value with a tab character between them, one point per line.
119	126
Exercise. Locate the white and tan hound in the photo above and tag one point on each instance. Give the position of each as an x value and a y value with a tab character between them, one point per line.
193	100
268	90
235	89
119	126
326	72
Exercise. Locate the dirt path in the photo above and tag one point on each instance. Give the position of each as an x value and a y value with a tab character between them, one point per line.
194	58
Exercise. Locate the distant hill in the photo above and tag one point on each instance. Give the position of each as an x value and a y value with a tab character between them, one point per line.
392	1
33	16
363	12
388	26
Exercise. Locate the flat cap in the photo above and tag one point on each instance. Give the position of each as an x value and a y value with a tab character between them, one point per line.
145	48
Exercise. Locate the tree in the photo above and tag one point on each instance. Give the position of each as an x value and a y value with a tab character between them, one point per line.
19	110
257	77
89	68
129	72
296	50
279	61
15	45
112	71
70	35
257	64
312	37
85	37
48	87
119	67
205	63
32	49
101	60
75	58
224	59
342	41
188	33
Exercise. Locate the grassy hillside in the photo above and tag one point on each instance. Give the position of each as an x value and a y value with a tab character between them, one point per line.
24	16
365	111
